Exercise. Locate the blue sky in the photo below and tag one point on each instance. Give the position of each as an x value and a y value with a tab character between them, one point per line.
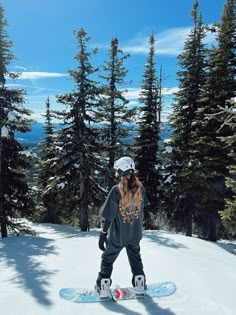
45	46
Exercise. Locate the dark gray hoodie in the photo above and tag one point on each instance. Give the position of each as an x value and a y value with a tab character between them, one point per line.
126	225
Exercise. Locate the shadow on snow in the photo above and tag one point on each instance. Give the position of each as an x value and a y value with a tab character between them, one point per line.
23	254
150	305
64	231
228	246
162	239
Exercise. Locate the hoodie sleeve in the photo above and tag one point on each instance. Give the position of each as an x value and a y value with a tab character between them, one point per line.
111	206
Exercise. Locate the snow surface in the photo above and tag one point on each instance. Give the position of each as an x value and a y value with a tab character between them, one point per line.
33	269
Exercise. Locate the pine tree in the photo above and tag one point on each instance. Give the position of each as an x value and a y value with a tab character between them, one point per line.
79	168
228	215
113	111
15	195
186	169
48	192
146	145
209	129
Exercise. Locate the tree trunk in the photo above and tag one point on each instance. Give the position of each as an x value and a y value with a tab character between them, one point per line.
84	223
112	145
3	227
211	236
189	222
3	221
50	216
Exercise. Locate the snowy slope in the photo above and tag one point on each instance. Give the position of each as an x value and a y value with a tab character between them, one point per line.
33	269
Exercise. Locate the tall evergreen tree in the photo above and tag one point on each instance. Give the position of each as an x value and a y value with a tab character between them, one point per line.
48	192
146	145
185	164
79	167
114	111
228	215
15	195
209	129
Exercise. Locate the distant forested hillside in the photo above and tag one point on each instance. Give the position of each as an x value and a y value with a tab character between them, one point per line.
32	138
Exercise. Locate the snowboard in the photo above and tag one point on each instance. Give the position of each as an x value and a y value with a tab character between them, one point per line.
77	295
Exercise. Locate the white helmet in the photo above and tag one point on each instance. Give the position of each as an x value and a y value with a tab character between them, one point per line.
124	166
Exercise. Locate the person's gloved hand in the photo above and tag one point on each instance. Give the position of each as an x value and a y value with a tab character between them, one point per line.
102	241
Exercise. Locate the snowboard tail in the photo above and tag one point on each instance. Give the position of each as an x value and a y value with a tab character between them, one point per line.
77	295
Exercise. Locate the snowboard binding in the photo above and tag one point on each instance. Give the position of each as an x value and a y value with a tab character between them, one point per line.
139	286
104	291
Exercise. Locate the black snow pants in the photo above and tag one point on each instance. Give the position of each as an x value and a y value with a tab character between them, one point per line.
112	252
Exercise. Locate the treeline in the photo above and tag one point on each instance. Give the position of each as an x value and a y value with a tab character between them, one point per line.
190	183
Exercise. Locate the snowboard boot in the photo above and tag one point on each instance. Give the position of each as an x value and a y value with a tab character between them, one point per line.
103	287
139	284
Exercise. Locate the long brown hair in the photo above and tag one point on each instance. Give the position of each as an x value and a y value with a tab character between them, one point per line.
130	189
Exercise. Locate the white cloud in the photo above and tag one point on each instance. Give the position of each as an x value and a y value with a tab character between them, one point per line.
169	42
35	88
37	104
134	93
210	39
40	75
21	68
38	116
16	85
169	91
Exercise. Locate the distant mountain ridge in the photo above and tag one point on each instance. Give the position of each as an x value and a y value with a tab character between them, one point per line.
36	135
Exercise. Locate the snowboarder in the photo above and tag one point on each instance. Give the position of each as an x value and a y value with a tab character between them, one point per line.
122	213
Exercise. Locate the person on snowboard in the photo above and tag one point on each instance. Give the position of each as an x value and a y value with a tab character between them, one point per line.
123	223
